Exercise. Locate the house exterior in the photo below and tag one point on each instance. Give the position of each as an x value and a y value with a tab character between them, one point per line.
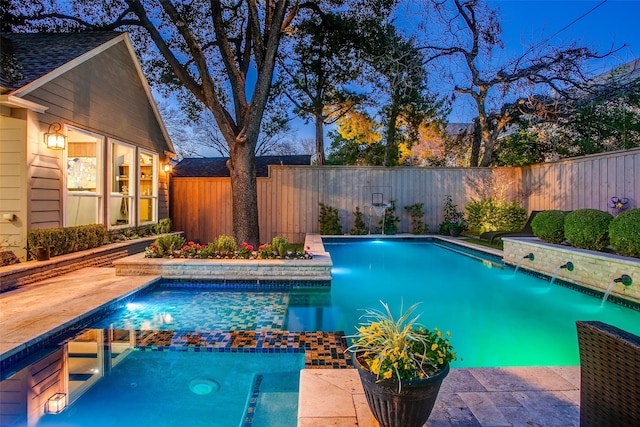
88	91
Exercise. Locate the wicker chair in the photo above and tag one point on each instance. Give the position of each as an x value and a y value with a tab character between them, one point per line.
610	376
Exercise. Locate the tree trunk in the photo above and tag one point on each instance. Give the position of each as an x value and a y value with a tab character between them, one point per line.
319	122
476	141
244	191
391	149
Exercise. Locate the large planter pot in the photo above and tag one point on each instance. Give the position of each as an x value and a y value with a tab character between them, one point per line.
43	253
455	231
409	407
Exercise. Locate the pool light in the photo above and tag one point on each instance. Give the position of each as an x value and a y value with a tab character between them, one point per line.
56	403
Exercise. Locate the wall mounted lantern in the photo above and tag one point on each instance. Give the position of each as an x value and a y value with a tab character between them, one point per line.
167	167
56	403
54	139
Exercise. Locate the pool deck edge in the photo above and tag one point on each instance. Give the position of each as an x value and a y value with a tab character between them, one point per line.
481	397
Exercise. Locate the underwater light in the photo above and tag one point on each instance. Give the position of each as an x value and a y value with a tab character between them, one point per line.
203	386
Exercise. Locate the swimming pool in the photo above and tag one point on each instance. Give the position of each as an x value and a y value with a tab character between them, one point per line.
157	339
497	318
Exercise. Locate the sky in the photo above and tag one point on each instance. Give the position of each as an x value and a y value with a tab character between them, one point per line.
612	23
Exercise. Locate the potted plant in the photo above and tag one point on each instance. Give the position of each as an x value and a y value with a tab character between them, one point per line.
401	366
455	226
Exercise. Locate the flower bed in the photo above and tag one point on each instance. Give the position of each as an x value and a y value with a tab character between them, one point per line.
316	268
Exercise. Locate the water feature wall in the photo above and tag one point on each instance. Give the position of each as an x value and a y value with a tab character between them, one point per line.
594	270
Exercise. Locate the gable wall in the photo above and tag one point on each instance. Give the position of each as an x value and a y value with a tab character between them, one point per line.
103	95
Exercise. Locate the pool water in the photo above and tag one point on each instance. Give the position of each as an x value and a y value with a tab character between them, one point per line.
220	355
170	388
497	318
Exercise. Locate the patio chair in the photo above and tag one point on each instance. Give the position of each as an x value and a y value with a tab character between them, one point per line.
610	375
491	236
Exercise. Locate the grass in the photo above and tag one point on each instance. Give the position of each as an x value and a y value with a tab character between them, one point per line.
477	241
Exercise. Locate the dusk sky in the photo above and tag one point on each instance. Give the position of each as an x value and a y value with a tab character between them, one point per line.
612	23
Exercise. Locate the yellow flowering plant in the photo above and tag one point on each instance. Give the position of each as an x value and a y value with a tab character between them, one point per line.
400	349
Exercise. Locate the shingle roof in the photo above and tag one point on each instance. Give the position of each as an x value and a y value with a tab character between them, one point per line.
217	166
33	55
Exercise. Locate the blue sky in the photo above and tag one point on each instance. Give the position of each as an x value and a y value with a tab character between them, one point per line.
612	23
525	22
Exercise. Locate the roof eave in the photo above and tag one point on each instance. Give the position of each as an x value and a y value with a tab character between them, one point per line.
13	101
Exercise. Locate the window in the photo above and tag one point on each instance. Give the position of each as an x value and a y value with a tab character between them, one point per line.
84	195
148	187
123	185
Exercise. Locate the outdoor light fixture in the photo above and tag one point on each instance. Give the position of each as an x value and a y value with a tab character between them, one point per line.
167	167
54	139
56	403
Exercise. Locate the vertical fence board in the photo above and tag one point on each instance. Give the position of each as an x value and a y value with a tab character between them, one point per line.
288	199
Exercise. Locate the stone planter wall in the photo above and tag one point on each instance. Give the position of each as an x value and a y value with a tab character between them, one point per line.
316	269
593	270
24	273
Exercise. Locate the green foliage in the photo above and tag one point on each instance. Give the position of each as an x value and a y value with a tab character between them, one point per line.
163	226
329	220
491	215
359	228
624	233
280	245
549	226
400	349
449	211
521	148
225	245
416	213
391	220
166	246
588	228
67	240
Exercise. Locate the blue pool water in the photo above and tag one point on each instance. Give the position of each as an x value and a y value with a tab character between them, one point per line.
171	388
497	318
164	358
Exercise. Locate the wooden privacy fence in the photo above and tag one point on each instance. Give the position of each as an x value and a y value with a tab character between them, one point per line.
288	200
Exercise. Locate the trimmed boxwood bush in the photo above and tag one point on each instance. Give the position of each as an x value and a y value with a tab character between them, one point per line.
588	229
549	226
67	240
624	233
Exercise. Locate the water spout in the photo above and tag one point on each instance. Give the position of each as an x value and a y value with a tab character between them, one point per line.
529	256
625	279
568	266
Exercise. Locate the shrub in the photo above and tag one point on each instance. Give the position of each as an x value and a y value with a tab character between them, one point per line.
280	245
588	229
449	211
491	215
329	220
163	226
391	220
358	223
416	213
225	245
166	246
549	226
67	240
624	233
